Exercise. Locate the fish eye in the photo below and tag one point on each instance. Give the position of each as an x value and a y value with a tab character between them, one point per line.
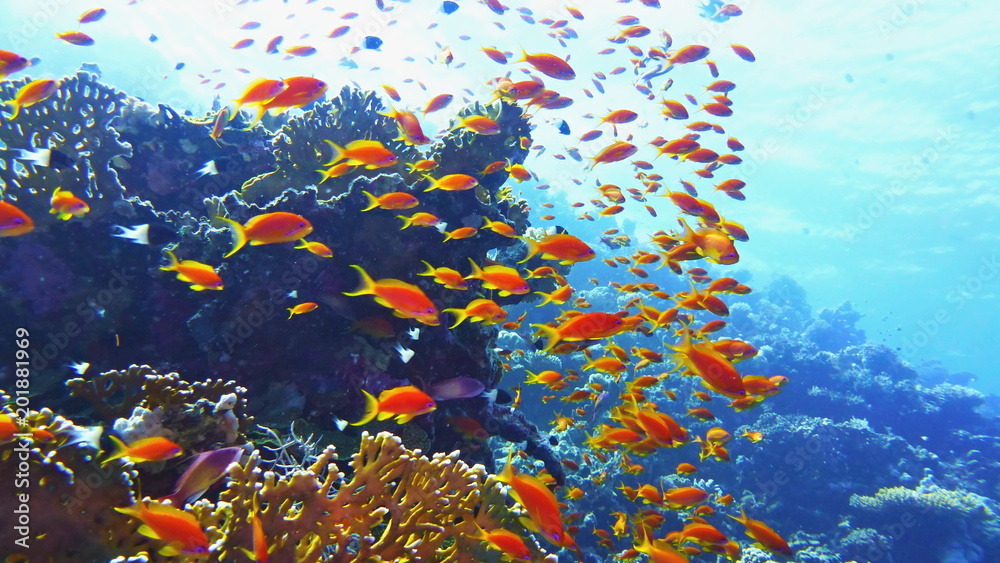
18	221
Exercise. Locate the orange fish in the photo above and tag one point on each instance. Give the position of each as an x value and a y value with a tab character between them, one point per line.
452	182
460	233
219	126
65	205
370	154
539	502
659	551
445	276
588	326
32	93
716	372
269	228
13	221
157	448
200	276
406	300
11	63
438	102
404	403
78	38
258	92
419	219
336	171
763	534
299	91
180	530
478	123
615	152
421	165
317	248
500	228
563	247
502	278
549	65
506	541
559	296
301	308
410	130
392	200
93	15
485	310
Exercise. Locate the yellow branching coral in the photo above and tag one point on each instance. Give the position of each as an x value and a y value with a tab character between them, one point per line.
398	505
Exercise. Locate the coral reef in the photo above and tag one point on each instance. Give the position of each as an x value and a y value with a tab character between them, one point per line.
77	120
396	505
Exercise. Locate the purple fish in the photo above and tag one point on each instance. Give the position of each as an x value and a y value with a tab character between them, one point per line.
456	388
206	468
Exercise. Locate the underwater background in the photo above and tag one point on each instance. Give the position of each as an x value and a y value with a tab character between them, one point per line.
862	423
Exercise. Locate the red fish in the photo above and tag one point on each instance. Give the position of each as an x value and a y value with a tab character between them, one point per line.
588	326
563	247
539	502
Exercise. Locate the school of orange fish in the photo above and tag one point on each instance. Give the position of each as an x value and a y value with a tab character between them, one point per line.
638	425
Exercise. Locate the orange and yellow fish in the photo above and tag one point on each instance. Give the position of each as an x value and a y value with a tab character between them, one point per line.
404	403
180	530
200	276
34	92
65	205
156	448
269	228
301	308
370	154
406	300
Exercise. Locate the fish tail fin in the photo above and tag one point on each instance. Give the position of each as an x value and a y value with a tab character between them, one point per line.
17	108
435	185
239	235
371	409
460	315
550	333
338	152
448	235
303	243
547	298
367	286
429	271
407	221
174	262
532	249
372	201
256	119
477	272
120	450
